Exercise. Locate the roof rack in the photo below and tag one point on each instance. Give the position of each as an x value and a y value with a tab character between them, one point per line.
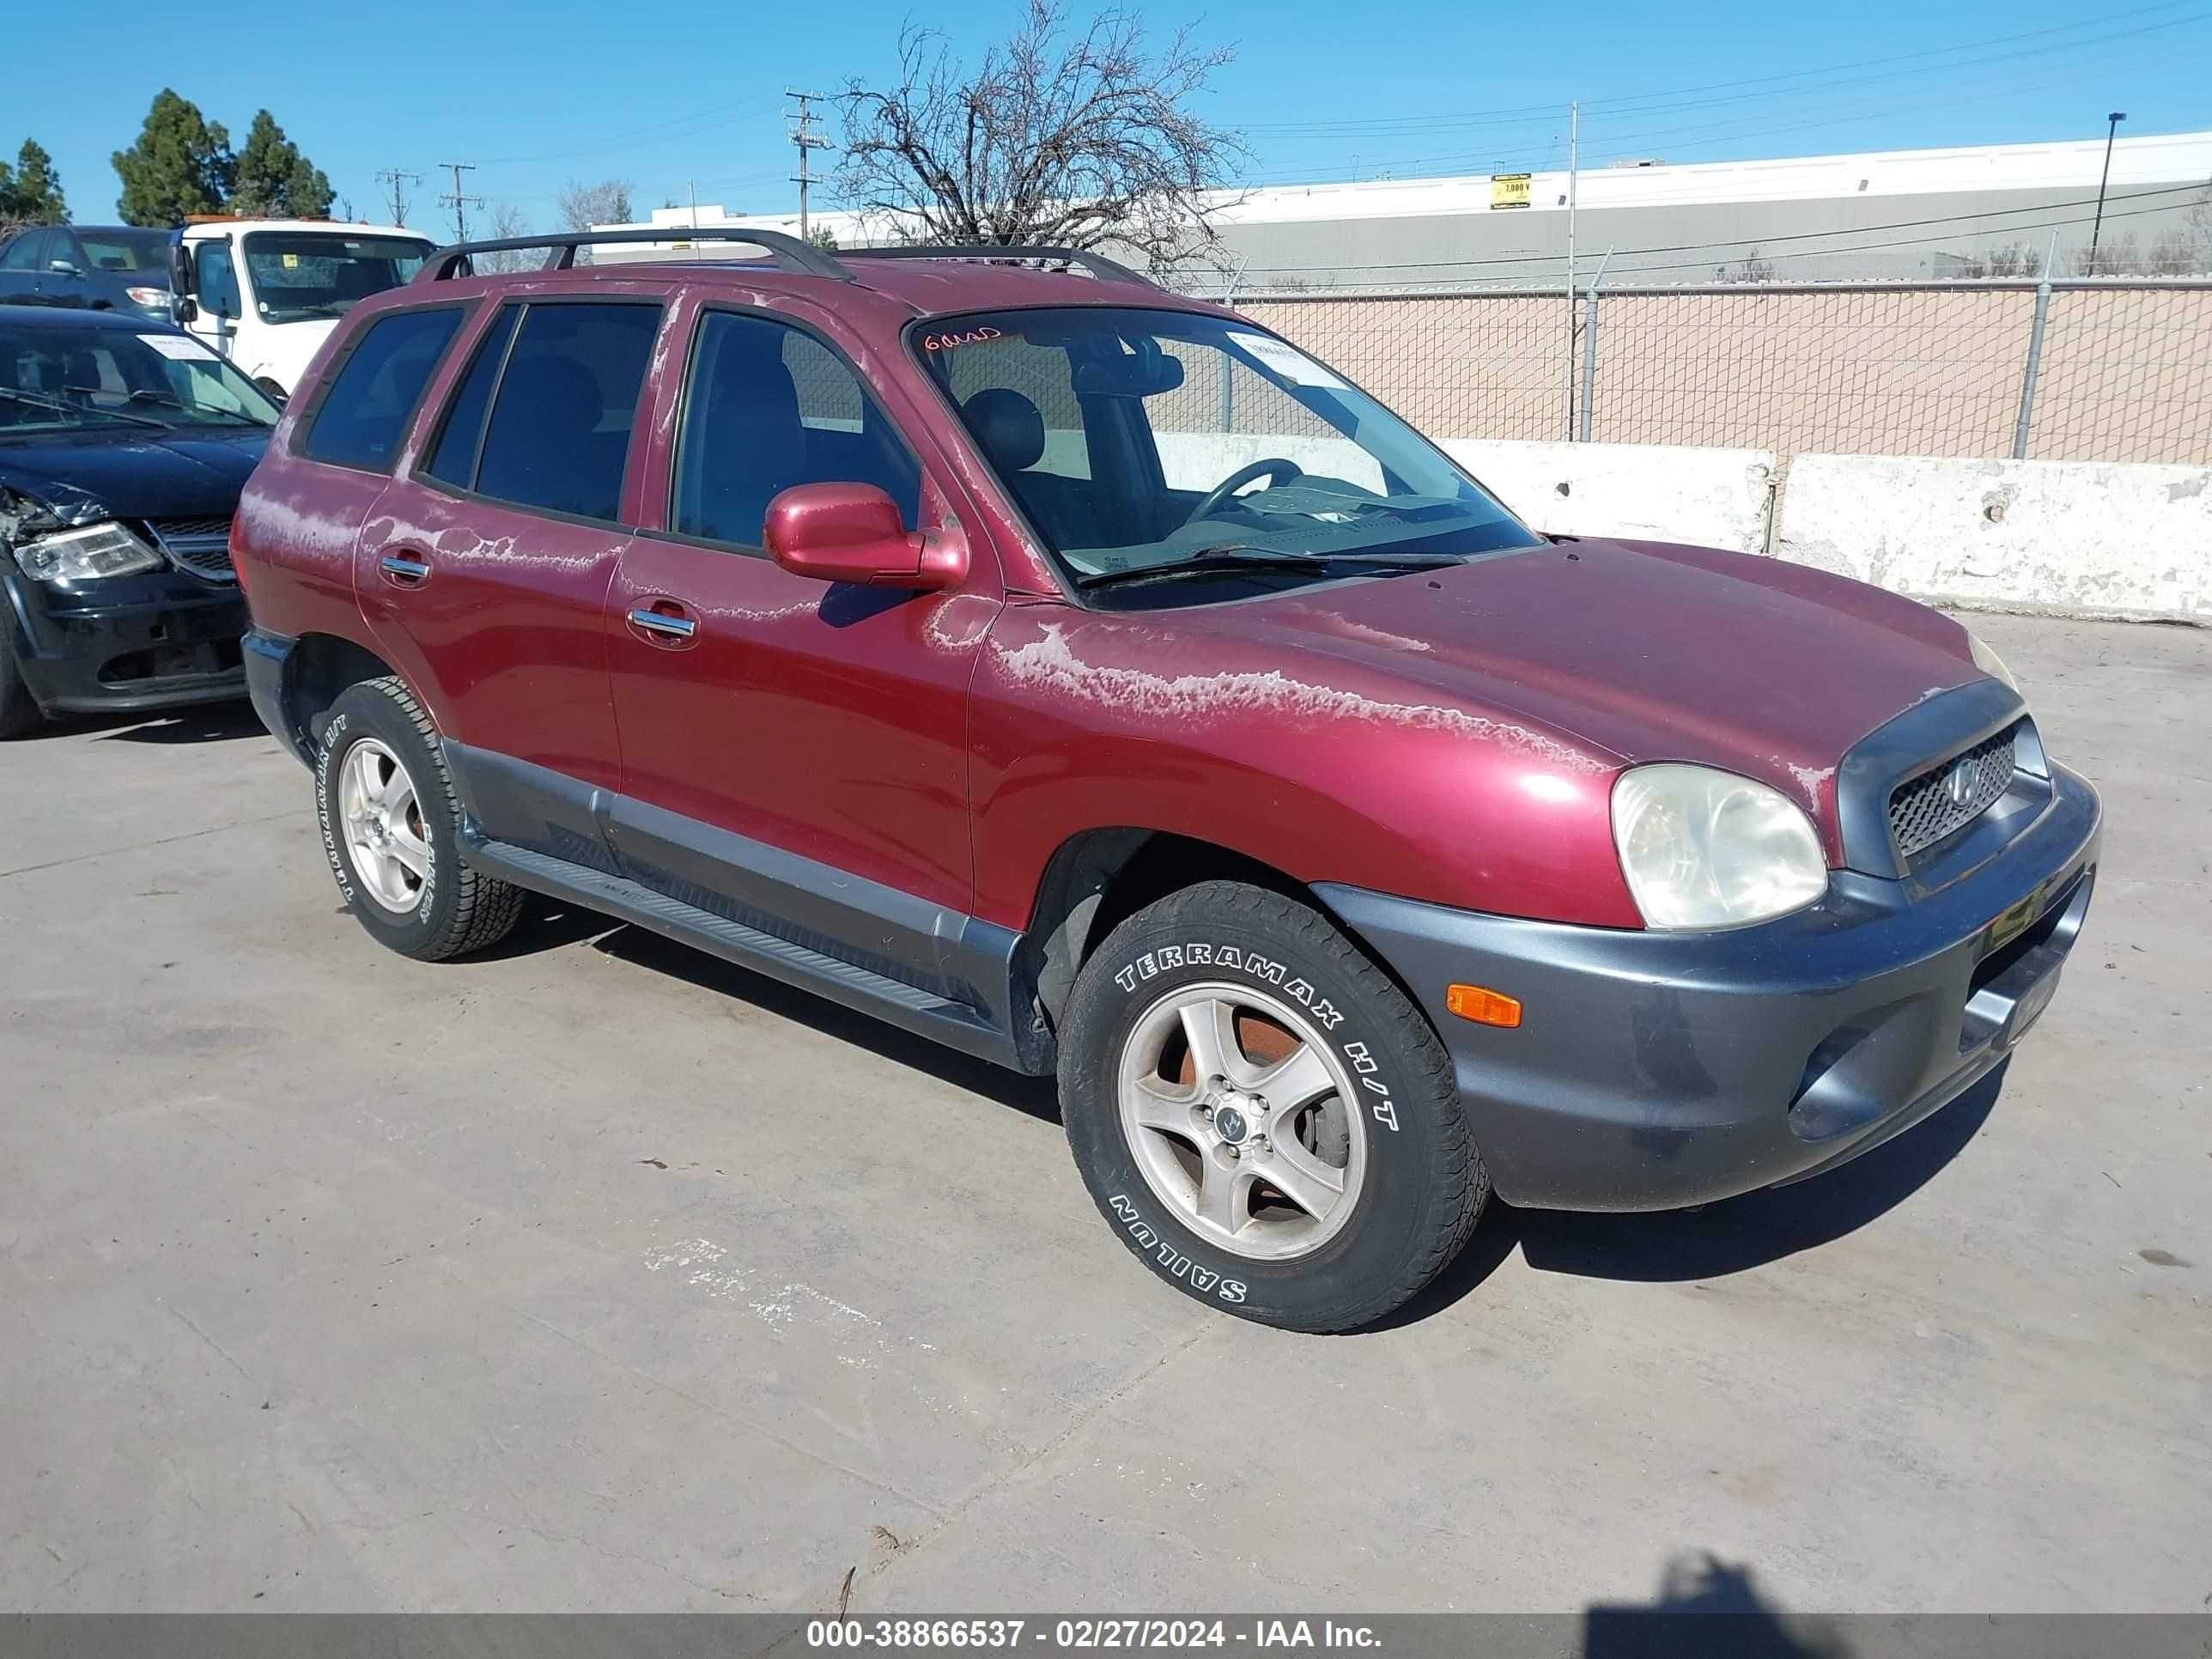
1096	264
789	252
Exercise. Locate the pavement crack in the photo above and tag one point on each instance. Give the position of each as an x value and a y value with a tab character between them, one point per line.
909	1547
230	1359
708	1405
140	846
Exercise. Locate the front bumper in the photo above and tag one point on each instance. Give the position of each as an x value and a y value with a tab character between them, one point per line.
157	640
1652	1070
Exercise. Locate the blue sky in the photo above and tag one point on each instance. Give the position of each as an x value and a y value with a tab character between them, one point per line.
686	91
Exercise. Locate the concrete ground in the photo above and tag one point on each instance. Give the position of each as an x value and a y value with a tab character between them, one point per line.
601	1276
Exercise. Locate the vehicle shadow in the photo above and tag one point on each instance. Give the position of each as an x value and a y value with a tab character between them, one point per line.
1035	1095
1709	1609
213	722
1719	1239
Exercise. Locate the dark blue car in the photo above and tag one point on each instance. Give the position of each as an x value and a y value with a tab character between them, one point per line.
123	445
120	268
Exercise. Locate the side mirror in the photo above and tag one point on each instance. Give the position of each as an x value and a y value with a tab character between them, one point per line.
852	532
180	271
188	309
62	268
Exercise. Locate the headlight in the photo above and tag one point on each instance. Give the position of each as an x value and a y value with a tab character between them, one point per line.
1706	849
75	555
1989	662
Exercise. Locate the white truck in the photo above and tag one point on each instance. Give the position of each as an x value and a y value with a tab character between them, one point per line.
266	292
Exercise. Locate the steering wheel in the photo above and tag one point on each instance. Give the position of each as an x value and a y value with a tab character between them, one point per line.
1275	470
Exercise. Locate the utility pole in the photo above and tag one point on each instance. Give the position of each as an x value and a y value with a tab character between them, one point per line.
805	138
1574	174
457	201
2097	229
395	180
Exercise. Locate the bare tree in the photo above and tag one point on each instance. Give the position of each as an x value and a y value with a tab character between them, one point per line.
1072	137
506	221
580	206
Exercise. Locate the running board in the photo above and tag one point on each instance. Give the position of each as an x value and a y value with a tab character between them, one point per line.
953	1024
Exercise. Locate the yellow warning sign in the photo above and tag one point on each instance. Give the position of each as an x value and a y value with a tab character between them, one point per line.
1508	189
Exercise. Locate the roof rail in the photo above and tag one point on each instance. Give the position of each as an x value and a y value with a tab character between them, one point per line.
1096	264
788	251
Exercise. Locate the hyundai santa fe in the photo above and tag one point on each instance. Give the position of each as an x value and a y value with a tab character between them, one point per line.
1090	680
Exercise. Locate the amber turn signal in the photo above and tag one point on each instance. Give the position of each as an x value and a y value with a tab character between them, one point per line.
1483	1005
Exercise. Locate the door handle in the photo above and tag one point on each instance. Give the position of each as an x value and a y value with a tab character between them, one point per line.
403	570
663	622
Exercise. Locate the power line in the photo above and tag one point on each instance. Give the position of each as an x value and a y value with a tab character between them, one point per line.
1648	103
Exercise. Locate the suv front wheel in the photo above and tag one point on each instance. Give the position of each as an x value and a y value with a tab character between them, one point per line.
1262	1115
392	830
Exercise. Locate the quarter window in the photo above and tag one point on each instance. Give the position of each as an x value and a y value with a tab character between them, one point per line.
770	406
559	433
363	416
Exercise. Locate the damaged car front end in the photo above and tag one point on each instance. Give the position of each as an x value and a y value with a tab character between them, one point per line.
123	449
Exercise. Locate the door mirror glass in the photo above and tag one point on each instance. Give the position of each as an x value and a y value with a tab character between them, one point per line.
852	532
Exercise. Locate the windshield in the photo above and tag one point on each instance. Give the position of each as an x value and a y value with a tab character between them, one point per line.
60	376
1138	441
296	275
141	252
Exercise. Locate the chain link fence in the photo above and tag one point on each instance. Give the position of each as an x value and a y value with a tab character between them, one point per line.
2118	370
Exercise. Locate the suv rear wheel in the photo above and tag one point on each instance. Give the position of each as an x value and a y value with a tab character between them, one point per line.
1262	1115
392	830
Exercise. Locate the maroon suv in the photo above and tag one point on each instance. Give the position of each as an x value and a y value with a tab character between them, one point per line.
1087	678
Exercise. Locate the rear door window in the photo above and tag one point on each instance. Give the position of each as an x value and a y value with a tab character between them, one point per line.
362	417
558	436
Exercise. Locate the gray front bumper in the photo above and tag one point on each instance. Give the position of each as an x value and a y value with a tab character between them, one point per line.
1655	1070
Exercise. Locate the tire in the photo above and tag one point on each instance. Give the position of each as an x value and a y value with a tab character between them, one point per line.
1392	1183
19	711
378	734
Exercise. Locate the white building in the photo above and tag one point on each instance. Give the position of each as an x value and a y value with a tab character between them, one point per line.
1924	213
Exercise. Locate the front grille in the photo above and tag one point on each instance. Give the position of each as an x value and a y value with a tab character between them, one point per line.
199	545
1946	799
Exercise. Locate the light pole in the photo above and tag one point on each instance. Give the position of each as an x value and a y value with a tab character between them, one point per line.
2097	229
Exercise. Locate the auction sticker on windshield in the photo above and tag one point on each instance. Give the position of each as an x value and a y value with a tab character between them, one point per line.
1288	362
181	347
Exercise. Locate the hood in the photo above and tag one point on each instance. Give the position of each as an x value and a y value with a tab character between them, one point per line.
1645	651
281	351
130	473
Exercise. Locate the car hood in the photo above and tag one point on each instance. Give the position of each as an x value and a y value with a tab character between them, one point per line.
1643	652
134	474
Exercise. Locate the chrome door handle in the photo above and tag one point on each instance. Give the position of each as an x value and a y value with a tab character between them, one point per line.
403	570
680	628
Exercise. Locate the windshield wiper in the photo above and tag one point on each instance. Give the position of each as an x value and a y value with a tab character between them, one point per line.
59	407
146	395
1253	556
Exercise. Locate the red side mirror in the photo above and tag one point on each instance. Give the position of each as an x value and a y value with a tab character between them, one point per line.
852	532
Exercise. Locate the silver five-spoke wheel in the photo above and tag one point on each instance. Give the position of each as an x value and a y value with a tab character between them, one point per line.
1242	1119
383	826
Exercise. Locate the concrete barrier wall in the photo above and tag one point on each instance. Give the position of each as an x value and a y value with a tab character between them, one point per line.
2081	537
2077	537
1714	497
2088	539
